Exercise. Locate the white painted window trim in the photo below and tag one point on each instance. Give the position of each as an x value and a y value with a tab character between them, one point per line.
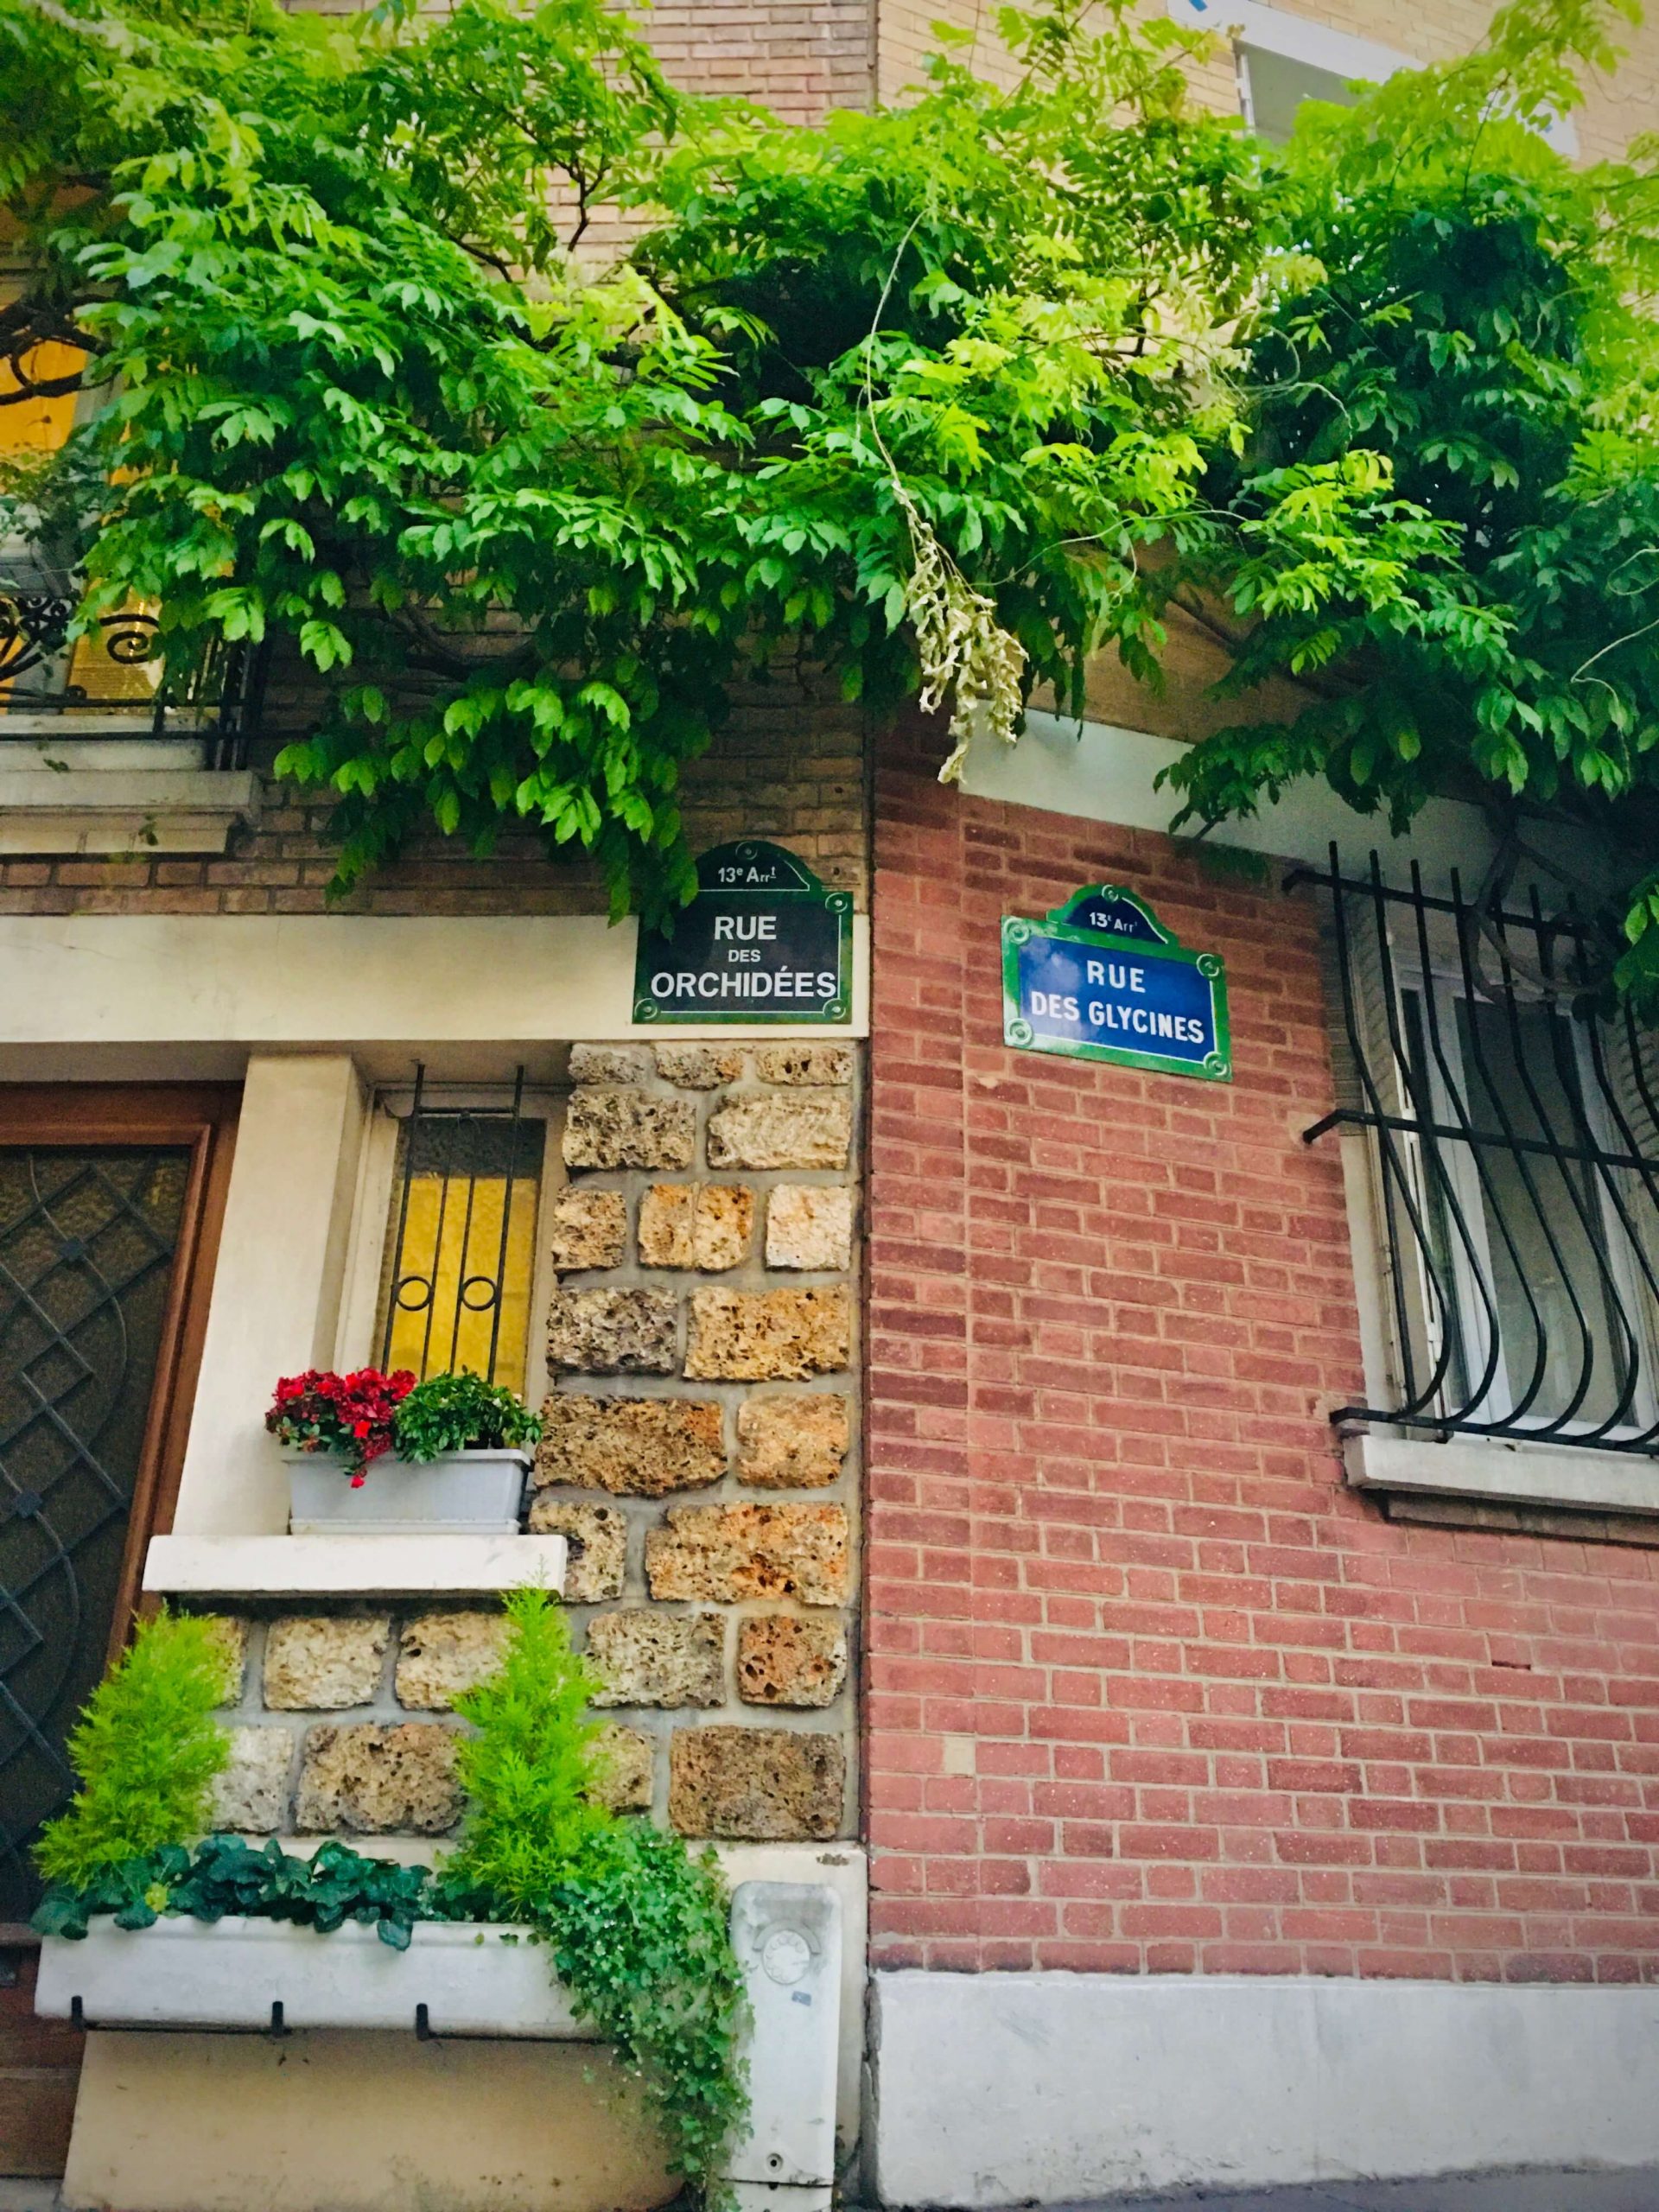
88	779
1253	24
298	1250
1295	38
1493	1470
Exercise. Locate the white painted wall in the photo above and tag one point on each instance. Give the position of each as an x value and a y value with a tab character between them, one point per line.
392	987
1099	772
1003	2088
277	1287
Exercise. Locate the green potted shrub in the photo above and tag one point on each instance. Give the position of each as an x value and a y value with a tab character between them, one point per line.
376	1454
553	1918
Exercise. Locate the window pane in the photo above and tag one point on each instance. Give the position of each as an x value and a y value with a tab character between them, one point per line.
1545	1226
462	1246
1456	1341
114	665
1279	86
39	426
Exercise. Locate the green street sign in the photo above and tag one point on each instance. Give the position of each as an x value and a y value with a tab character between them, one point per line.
1102	978
763	940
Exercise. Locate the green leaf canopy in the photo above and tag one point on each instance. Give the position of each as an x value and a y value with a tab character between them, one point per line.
946	398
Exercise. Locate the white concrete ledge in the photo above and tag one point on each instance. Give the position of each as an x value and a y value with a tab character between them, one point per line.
108	738
418	982
1499	1472
1047	2088
98	811
350	1566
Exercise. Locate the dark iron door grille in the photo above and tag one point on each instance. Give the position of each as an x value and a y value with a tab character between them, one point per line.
88	1238
1513	1144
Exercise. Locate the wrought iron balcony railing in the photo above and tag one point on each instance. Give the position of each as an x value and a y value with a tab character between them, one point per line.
1511	1131
112	685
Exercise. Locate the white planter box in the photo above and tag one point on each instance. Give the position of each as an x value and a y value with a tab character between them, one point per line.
479	1980
468	1493
473	1979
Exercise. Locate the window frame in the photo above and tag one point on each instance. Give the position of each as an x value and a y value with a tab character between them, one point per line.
43	727
1473	1270
1342	55
362	1314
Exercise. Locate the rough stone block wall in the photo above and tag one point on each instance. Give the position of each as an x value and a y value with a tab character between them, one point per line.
700	1455
1149	1689
702	1446
339	1720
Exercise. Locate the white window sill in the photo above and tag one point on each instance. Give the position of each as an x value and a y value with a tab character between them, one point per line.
106	737
350	1566
93	809
1490	1469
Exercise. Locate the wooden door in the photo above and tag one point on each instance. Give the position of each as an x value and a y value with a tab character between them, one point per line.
110	1199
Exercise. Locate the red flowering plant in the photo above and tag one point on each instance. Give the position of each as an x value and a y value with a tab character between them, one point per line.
348	1417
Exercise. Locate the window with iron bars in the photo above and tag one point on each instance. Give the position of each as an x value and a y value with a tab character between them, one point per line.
1510	1130
458	1268
111	684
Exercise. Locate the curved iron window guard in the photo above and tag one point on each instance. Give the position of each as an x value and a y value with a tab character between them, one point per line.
1512	1134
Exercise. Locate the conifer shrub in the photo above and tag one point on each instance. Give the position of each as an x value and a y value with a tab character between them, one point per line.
147	1748
528	1771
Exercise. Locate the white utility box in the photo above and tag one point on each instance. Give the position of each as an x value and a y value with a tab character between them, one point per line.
787	1936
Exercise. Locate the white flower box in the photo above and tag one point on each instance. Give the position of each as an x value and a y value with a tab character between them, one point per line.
464	1493
480	1979
471	1979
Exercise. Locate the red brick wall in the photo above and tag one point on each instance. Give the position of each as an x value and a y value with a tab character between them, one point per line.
1148	1690
798	58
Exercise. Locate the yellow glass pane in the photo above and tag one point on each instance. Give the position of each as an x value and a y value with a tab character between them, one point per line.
456	1247
107	665
39	426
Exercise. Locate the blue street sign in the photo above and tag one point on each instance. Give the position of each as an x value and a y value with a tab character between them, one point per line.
1120	988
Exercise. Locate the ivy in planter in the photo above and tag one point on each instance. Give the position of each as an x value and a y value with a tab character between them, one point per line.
461	1413
636	1927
